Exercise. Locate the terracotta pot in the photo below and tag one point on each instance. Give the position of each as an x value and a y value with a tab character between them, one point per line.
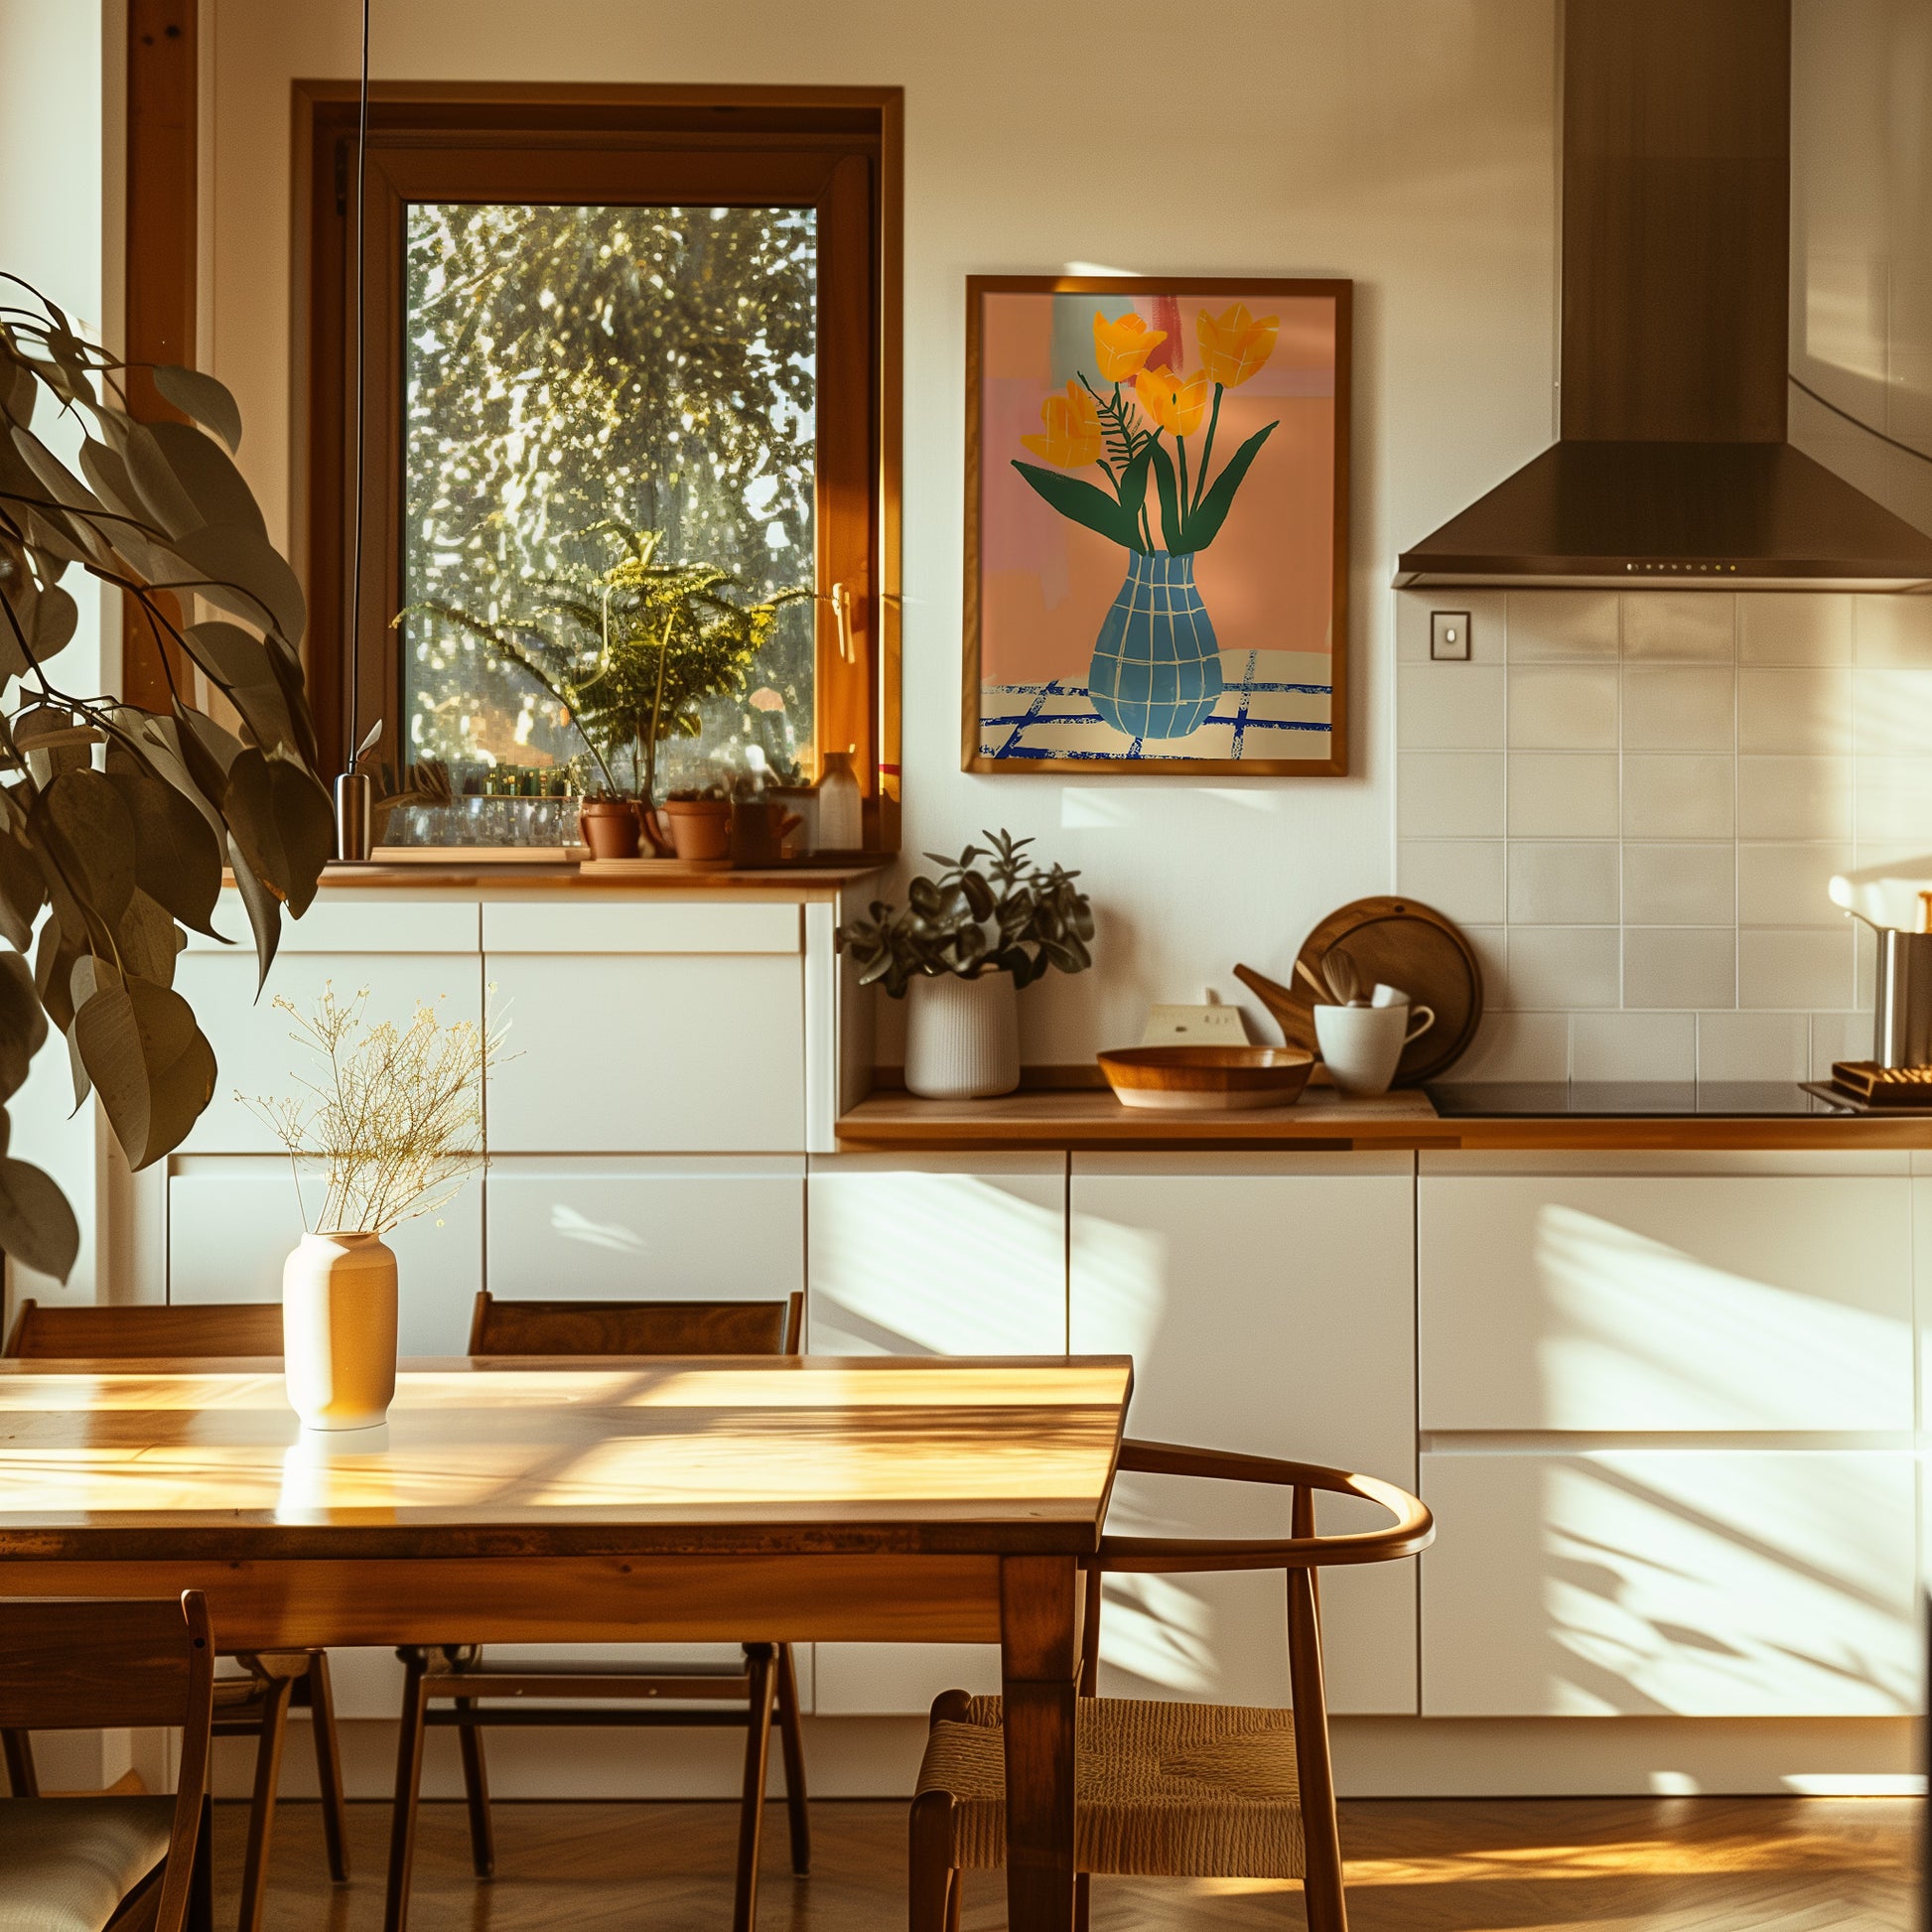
760	828
339	1330
701	828
609	827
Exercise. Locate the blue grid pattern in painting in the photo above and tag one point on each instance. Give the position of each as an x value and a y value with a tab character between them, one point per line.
1157	668
1267	711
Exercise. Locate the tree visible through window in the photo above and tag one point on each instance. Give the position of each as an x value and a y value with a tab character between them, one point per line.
576	378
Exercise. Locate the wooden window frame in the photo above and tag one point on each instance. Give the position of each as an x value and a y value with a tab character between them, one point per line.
836	148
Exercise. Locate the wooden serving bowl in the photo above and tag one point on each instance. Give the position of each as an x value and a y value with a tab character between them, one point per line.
1206	1080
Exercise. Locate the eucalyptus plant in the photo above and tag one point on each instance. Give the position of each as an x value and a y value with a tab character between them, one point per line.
115	823
1011	916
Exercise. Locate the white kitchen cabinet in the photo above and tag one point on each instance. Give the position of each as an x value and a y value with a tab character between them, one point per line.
233	1219
1670	1582
254	1051
946	1256
1694	1302
1268	1303
659	1228
639	1029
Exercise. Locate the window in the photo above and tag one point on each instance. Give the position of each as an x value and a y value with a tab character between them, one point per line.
618	344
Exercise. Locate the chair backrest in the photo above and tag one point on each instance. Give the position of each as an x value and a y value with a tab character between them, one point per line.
97	1663
635	1327
146	1332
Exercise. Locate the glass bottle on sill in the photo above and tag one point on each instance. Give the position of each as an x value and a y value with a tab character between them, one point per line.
840	819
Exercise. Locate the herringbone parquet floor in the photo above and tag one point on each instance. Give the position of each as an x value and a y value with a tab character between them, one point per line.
1679	1864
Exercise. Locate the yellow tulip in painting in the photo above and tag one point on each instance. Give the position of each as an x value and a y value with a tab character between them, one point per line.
1072	437
1122	347
1233	344
1177	403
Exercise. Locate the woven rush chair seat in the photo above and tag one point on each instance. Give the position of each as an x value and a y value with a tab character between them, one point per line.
68	1862
1161	1790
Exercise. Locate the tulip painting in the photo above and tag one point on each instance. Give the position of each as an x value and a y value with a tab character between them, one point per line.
1197	439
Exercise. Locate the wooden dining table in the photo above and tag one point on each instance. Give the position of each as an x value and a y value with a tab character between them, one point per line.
810	1499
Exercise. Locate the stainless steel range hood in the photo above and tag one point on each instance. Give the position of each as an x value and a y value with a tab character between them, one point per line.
1672	468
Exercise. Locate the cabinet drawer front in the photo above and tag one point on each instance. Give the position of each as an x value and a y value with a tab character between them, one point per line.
1665	1304
253	1051
683	926
1270	1310
231	1221
641	1054
334	924
1703	1584
646	1229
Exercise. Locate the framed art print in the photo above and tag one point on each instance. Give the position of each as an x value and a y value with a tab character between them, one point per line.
1157	526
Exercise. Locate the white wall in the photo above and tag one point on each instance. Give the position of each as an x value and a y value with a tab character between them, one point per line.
51	235
1406	143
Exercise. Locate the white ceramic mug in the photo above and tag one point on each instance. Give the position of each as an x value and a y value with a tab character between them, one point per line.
1360	1045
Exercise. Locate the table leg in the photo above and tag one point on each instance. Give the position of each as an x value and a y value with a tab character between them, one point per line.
1040	1667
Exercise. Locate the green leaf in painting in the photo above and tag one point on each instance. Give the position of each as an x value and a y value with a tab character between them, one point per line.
1174	524
1211	512
1081	503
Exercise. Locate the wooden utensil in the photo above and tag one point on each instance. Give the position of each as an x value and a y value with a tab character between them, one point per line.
1406	944
1884	1086
1206	1080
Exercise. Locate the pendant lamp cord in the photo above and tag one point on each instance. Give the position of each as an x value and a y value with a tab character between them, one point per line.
361	336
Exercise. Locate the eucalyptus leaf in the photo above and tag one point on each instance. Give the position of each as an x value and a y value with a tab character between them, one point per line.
23	1026
244	668
239	570
23	890
200	396
150	1065
37	1226
176	855
264	911
85	823
283	822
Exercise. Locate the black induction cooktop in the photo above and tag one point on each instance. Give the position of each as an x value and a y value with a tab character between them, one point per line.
1608	1099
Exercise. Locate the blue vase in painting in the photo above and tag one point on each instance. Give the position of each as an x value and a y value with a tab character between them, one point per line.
1157	668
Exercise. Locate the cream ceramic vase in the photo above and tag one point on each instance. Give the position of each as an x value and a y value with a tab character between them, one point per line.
962	1037
339	1330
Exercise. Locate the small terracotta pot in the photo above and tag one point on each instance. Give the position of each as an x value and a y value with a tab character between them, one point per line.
701	828
609	827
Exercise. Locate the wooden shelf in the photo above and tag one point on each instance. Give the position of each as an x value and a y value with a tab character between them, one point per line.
517	875
896	1122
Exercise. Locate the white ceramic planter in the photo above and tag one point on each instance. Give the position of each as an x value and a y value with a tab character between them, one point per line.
962	1037
339	1330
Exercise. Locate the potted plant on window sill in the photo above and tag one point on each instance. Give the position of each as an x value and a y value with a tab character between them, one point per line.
960	950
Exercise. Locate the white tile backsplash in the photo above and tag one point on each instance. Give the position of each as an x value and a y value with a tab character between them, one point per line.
1563	707
1635	800
1794	627
1450	795
1460	877
1563	794
1678	796
1680	966
1633	1046
1679	708
1679	884
1794	710
1553	626
1552	883
1680	627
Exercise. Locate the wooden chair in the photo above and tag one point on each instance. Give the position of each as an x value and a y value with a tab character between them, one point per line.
1173	1790
458	1675
132	1864
255	1704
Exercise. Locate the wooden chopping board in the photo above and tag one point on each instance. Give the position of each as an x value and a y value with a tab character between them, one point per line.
1405	943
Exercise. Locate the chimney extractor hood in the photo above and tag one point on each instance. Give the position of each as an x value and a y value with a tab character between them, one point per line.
1672	466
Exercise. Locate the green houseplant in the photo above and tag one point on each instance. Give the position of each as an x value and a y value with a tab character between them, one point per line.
116	822
629	653
960	949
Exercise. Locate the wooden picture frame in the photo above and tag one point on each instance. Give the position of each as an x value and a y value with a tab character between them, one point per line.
1062	402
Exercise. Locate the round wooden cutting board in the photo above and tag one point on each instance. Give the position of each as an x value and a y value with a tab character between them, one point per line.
1406	944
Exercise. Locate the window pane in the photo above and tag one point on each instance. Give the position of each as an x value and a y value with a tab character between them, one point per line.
651	369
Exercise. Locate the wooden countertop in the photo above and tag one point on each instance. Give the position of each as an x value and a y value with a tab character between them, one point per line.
1323	1120
509	878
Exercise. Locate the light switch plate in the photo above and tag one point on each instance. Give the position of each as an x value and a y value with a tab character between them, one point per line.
1448	637
1195	1026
